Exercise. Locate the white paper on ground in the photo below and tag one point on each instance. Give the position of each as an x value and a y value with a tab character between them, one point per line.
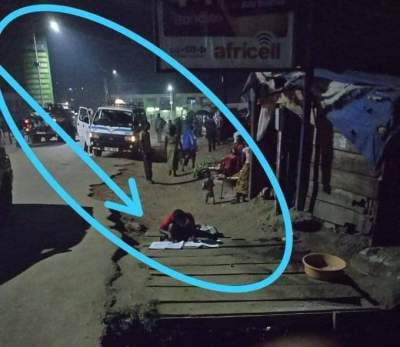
166	245
192	244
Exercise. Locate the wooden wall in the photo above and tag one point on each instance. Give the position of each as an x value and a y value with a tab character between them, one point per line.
341	188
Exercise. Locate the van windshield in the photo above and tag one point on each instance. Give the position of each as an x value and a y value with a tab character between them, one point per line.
114	118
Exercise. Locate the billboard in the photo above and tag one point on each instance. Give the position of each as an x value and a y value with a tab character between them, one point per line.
225	34
37	73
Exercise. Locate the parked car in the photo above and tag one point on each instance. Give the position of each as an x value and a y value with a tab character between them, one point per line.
35	128
6	180
110	129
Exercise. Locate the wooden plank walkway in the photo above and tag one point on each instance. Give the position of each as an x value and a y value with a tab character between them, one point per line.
240	262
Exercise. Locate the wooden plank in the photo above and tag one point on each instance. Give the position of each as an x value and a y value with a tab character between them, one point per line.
234	243
348	162
284	280
223	260
339	215
166	255
281	293
254	308
339	142
199	270
357	184
204	252
342	198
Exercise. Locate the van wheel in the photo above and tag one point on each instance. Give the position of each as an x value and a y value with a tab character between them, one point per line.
97	152
5	199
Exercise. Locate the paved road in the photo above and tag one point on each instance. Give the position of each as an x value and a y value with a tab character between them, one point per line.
53	268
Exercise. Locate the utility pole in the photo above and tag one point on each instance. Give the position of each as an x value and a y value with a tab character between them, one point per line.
305	135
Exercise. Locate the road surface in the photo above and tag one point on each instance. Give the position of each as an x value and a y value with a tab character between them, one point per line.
53	268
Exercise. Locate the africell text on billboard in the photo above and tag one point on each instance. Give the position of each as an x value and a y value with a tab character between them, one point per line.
226	34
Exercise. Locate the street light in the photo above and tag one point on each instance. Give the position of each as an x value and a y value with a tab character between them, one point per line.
54	26
114	72
170	88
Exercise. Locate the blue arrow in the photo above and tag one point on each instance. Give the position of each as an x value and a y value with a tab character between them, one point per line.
131	205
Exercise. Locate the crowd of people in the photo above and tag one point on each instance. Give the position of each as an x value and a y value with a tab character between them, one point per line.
180	138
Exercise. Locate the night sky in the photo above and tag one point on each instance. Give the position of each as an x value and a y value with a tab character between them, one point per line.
346	34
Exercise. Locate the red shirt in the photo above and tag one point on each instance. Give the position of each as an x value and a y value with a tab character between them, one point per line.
171	219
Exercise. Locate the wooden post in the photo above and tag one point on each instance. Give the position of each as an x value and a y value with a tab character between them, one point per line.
303	165
281	153
253	133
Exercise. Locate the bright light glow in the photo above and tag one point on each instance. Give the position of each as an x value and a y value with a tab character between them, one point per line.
54	26
130	138
119	102
170	88
114	72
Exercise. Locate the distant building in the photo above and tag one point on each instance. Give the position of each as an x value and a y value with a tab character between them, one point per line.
160	103
36	70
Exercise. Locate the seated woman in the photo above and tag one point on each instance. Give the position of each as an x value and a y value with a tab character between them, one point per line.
178	226
233	162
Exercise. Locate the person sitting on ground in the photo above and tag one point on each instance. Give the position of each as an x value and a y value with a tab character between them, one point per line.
178	226
208	187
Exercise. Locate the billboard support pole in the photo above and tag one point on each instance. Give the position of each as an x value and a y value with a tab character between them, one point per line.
305	150
38	67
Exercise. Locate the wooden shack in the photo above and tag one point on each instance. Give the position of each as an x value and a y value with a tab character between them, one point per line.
338	185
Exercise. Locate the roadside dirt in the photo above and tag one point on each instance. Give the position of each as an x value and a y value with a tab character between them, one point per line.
131	313
127	300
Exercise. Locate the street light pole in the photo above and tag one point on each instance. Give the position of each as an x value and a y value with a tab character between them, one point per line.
171	98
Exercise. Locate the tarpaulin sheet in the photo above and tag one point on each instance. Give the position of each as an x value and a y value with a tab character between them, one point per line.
359	120
357	104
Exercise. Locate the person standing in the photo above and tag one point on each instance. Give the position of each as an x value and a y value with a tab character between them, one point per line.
197	126
219	121
159	125
189	147
208	187
145	146
172	145
242	184
211	132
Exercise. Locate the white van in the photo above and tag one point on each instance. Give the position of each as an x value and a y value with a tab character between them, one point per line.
110	129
